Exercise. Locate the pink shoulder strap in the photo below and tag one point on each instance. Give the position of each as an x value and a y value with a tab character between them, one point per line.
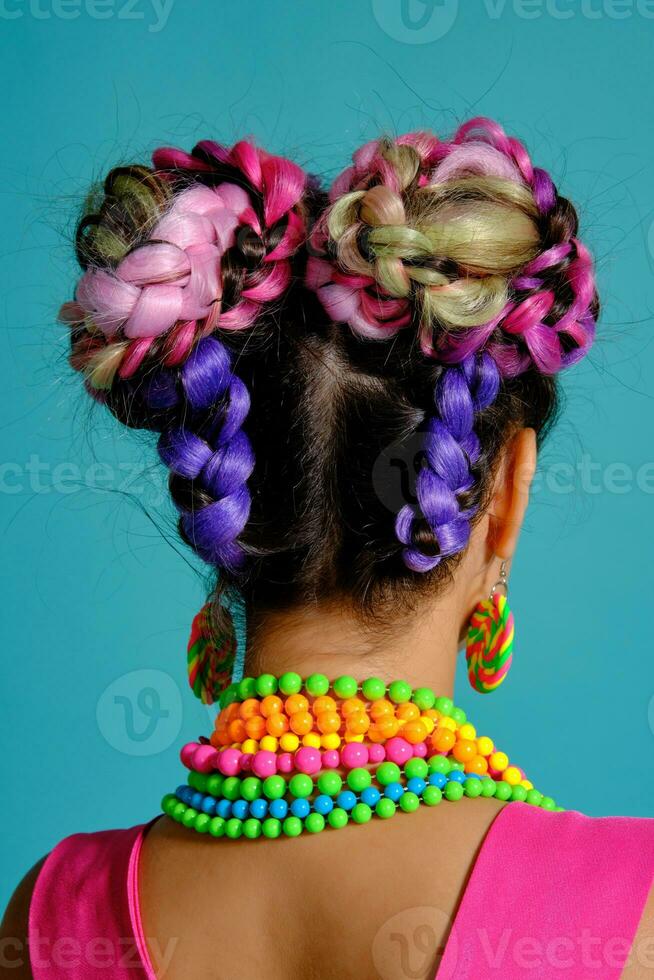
84	918
552	895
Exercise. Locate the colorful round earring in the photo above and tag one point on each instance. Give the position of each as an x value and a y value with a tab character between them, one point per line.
489	644
215	657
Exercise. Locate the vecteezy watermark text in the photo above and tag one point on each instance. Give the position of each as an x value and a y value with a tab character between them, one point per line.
426	21
153	13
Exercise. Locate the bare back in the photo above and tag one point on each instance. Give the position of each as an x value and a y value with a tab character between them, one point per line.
366	902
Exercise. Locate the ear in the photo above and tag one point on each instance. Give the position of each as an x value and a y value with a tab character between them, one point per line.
511	493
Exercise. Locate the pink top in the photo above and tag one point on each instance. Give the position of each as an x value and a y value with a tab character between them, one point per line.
573	913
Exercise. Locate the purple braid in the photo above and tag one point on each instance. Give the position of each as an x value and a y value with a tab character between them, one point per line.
451	451
209	455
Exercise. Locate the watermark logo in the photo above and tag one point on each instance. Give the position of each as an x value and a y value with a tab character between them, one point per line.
140	713
426	21
415	21
395	473
410	944
151	13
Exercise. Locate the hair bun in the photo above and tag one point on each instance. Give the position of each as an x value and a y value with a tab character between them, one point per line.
464	239
202	240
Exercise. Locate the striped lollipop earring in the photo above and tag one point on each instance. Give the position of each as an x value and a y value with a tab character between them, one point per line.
489	644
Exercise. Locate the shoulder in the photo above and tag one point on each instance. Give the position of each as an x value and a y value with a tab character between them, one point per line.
641	959
14	928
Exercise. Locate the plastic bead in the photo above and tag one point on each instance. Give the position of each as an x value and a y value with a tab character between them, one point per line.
345	687
289	742
274	787
314	823
246	688
387	773
354	755
264	764
240	809
290	683
464	750
308	760
300	786
468	731
398	750
271	828
409	802
453	791
330	783
331	759
416	768
301	722
330	741
251	788
442	740
258	808
300	808
414	732
217	827
370	796
346	800
385	808
424	697
317	685
278	809
394	791
431	795
252	828
488	786
328	721
399	692
458	716
234	828
337	818
266	684
373	689
499	761
361	813
292	827
358	780
444	706
323	804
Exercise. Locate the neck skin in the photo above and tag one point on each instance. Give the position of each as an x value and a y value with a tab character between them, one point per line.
422	642
333	642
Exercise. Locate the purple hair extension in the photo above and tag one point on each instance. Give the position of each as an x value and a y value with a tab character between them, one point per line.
225	224
215	457
451	450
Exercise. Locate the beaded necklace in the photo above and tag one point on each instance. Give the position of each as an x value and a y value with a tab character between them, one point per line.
289	756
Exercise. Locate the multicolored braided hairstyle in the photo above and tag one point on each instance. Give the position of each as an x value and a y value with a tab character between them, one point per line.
200	241
280	339
469	246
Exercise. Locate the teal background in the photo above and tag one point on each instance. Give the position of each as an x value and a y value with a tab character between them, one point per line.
94	586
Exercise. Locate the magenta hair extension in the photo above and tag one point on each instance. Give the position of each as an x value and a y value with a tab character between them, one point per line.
531	331
165	301
183	256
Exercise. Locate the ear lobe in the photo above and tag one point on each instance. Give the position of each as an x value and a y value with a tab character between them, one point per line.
511	493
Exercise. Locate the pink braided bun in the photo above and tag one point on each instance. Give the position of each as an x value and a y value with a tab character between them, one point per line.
167	292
